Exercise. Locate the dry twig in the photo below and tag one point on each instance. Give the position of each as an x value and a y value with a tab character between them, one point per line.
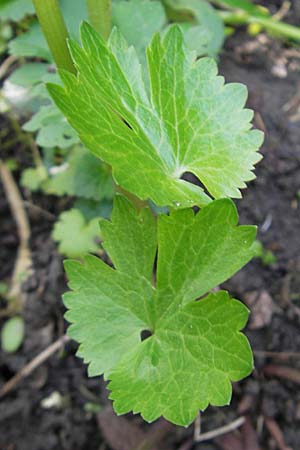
23	262
33	364
283	356
220	431
276	433
7	63
282	12
197	426
283	372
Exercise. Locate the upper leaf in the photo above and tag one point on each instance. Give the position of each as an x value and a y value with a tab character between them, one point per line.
192	122
210	29
138	20
196	348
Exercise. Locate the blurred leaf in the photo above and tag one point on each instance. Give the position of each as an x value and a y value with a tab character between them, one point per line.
75	235
32	43
93	408
138	20
6	33
29	74
33	178
206	17
40	90
3	288
196	37
266	256
83	175
12	164
52	128
15	10
93	208
74	12
12	334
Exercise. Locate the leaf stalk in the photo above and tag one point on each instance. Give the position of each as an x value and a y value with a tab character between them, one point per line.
55	32
99	12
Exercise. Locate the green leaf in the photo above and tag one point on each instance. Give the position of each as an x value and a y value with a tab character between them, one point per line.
206	38
193	122
92	208
33	178
4	288
138	20
52	128
196	347
75	235
196	38
40	90
74	12
12	334
30	44
29	74
82	175
15	10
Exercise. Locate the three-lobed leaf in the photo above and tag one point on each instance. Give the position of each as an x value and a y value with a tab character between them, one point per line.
75	235
191	122
195	348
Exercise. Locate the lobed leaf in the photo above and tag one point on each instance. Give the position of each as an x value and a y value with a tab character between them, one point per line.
75	235
191	123
195	348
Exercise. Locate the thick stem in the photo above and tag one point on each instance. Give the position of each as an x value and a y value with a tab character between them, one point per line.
100	16
55	32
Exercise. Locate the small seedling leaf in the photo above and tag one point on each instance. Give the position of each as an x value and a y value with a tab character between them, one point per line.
12	334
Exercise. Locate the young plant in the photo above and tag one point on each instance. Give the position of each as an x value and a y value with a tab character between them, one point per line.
149	321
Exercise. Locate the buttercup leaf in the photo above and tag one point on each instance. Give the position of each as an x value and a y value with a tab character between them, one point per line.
75	235
192	122
52	128
82	175
195	348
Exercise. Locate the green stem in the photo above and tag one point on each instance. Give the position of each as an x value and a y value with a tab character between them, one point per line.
100	16
55	32
270	24
282	28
